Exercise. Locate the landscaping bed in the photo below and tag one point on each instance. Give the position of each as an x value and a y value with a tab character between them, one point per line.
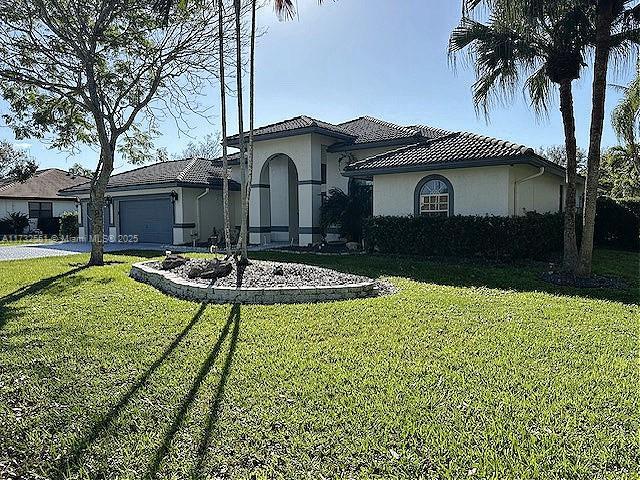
261	282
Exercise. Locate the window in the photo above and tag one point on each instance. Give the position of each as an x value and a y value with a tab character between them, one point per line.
40	209
434	197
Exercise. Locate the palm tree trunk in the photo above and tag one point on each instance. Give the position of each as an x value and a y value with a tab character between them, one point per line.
223	110
570	258
600	66
245	205
243	173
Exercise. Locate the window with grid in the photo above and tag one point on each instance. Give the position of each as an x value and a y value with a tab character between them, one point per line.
40	209
434	198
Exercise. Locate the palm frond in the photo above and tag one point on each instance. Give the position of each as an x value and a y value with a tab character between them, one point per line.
538	87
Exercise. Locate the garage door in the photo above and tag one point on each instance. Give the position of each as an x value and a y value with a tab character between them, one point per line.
150	219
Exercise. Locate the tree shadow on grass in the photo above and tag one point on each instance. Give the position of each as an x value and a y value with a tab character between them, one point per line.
234	318
32	289
72	459
523	276
214	411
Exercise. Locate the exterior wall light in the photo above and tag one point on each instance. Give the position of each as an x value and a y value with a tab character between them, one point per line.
174	196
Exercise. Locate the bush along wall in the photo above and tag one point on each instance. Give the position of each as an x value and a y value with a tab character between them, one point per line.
69	224
533	236
617	223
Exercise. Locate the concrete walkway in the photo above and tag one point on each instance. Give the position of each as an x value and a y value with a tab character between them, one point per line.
22	252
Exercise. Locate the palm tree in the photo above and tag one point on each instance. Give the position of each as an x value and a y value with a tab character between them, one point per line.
223	112
245	204
539	40
617	33
626	116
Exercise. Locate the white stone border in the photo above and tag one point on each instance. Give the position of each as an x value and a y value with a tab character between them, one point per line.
174	285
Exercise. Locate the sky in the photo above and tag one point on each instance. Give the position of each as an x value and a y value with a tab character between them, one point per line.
348	58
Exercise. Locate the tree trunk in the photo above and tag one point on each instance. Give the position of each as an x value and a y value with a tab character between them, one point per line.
225	159
245	205
96	204
243	173
600	66
570	258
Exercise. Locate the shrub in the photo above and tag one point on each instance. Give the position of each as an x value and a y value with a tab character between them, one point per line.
69	224
632	204
347	211
499	238
617	224
49	226
15	223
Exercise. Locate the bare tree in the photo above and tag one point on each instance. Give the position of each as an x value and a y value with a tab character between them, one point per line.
92	71
208	148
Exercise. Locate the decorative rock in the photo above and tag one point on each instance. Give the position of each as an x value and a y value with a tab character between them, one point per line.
353	246
173	261
278	270
210	270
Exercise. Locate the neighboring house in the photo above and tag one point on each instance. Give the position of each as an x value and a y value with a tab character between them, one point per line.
38	196
414	170
175	202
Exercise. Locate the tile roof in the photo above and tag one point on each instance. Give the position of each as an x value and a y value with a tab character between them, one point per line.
450	149
300	123
430	132
43	184
196	172
368	129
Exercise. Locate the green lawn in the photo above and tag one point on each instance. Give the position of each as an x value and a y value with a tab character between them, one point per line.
467	372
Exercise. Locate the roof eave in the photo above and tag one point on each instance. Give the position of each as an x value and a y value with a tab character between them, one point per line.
482	162
233	186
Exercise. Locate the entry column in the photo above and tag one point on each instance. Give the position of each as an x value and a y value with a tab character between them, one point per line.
309	198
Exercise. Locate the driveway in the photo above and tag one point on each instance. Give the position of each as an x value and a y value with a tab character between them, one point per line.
20	252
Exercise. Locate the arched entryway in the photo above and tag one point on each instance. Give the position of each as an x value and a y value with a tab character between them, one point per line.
279	206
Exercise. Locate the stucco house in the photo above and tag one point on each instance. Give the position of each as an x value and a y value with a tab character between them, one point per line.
39	197
174	202
414	170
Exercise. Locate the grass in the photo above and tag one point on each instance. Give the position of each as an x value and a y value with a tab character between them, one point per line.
467	372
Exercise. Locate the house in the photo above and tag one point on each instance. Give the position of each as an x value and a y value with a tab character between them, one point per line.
38	197
413	169
174	202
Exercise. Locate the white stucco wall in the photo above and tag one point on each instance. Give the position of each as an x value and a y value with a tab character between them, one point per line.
477	191
17	205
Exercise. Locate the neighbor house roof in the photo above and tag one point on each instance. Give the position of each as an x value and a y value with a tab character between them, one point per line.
190	172
300	125
44	184
460	149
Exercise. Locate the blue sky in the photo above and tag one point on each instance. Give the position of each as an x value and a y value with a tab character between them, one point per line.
383	58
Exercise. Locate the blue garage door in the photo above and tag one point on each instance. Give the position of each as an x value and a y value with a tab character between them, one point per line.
150	219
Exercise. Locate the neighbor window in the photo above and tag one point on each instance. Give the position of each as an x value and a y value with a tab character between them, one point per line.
434	197
40	210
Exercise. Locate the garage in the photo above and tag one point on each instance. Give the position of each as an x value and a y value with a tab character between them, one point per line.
151	219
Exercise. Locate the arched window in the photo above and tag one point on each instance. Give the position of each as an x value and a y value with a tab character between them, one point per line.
434	196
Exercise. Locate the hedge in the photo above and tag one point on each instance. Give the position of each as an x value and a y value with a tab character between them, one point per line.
69	224
532	236
617	223
49	226
498	238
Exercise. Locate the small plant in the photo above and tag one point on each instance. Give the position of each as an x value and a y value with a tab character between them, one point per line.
16	222
69	224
